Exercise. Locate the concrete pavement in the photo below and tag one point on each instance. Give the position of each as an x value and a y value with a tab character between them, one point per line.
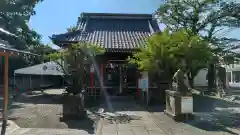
153	123
142	125
44	131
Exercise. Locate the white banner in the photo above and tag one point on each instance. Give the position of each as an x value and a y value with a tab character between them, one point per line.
92	69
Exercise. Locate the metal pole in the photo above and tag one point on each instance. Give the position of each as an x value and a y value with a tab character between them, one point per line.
30	81
41	78
5	116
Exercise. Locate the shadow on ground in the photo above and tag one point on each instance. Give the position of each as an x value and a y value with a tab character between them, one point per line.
214	115
11	106
39	99
210	126
41	110
87	124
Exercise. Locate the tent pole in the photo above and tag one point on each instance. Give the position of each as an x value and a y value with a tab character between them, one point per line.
30	81
14	81
63	81
41	79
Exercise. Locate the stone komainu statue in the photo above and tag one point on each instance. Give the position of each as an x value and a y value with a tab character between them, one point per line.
179	83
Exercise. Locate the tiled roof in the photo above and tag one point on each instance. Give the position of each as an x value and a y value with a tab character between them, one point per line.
112	31
5	46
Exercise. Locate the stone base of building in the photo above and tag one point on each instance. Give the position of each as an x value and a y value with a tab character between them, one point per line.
180	117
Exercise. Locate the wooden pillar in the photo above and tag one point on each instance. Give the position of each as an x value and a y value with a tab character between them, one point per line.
5	86
14	81
5	102
138	89
30	82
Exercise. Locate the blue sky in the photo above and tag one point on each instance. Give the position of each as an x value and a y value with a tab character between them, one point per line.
54	16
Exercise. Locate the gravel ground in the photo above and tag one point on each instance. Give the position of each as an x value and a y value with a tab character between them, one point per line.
39	110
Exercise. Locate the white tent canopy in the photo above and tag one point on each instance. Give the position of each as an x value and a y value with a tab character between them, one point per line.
45	69
49	68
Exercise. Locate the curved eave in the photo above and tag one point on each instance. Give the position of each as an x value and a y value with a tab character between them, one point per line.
58	39
60	42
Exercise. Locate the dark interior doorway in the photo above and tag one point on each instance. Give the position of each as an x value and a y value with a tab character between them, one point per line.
120	79
112	78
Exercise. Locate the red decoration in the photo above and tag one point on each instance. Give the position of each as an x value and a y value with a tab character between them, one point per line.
92	82
17	90
102	69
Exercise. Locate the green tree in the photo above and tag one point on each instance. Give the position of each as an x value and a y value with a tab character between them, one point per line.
72	29
75	61
14	16
199	15
206	18
42	50
195	49
161	56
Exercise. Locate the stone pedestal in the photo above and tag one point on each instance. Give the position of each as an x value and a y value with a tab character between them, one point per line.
174	107
73	107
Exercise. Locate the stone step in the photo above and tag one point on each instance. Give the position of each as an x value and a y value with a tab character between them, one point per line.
11	126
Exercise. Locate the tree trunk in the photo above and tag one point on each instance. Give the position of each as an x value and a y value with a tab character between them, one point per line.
163	81
191	82
211	77
73	107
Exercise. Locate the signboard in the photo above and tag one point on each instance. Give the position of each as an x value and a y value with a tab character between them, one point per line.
187	105
44	67
144	85
143	81
49	67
